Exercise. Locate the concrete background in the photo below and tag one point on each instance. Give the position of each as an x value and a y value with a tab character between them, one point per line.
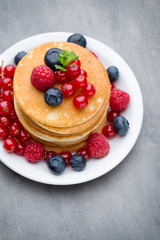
125	203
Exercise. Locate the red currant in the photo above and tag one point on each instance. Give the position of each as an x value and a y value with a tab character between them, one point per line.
23	136
10	144
89	90
80	101
4	121
73	70
94	54
9	70
80	81
109	131
0	70
17	124
48	155
67	156
14	130
20	149
83	73
7	95
111	115
3	132
13	115
76	62
84	152
112	85
5	108
61	77
68	89
7	84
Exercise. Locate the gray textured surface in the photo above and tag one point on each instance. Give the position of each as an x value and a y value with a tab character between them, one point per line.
125	203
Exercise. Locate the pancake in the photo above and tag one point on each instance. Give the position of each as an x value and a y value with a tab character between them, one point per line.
32	103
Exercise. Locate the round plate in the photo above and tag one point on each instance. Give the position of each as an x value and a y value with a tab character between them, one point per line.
120	146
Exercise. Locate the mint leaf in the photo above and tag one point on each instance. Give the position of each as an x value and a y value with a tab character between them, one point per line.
70	57
60	68
63	55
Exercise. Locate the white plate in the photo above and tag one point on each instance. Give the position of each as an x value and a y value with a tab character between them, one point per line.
120	146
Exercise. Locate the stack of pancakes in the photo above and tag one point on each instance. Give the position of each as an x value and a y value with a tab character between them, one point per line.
61	128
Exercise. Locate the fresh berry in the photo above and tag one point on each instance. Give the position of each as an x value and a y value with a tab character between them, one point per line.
67	156
83	73
7	95
13	115
80	101
48	155
89	90
113	73
80	81
5	108
68	90
17	124
53	96
76	62
94	54
61	77
56	164
23	136
20	149
3	132
52	58
9	71
42	78
4	121
7	83
112	85
77	39
121	125
109	131
14	130
111	115
78	162
84	152
97	145
19	56
10	144
73	70
119	100
34	152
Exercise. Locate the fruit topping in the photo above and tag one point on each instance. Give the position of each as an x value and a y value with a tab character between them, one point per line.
4	121
84	152
61	77
42	78
5	108
73	70
48	155
9	70
53	97
19	56
113	73
80	81
97	145
111	115
7	83
80	101
23	136
76	62
109	131
34	152
121	125
89	90
78	162
3	132
20	149
10	144
77	39
119	100
68	90
83	73
52	58
56	164
67	156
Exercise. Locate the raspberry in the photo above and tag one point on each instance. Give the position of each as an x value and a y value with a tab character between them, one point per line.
42	78
34	152
119	100
97	145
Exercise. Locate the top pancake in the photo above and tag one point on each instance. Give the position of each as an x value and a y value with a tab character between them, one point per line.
32	102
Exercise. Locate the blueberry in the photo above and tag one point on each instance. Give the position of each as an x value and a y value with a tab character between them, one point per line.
78	162
78	39
121	125
51	58
53	97
56	164
19	56
113	73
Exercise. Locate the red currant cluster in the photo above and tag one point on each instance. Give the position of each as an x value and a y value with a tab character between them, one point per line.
11	130
73	78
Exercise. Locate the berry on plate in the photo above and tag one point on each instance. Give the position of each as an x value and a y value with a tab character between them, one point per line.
56	164
111	115
42	78
121	125
77	39
80	101
89	90
113	73
53	97
67	156
78	162
14	130
23	136
20	149
34	152
52	58
10	144
84	152
48	155
68	89
5	108
19	56
97	145
3	132
7	95
7	83
4	121
119	100
109	131
9	71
